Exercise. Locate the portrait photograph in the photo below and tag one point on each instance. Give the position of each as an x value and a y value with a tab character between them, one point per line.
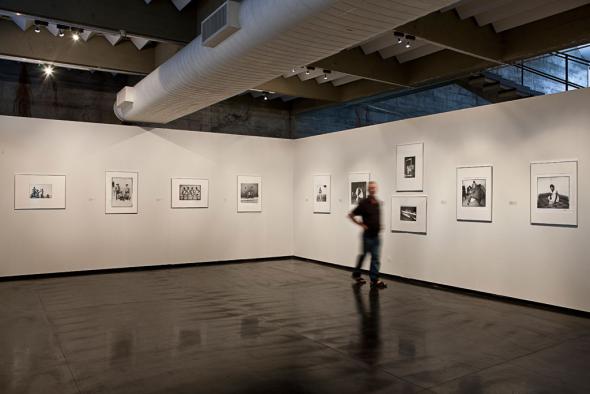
121	192
249	193
554	193
321	194
474	193
358	183
409	172
190	193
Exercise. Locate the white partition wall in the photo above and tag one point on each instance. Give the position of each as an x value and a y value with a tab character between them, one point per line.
508	256
83	237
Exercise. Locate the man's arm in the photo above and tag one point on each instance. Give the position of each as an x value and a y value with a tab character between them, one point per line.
356	221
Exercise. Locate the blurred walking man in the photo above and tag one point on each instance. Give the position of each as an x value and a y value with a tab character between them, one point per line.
369	209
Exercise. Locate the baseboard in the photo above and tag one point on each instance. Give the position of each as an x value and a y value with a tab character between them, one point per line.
139	268
461	290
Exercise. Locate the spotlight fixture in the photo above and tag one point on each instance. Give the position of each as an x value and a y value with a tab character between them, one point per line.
326	72
398	36
61	30
76	33
48	70
61	33
409	40
265	96
308	70
293	70
37	29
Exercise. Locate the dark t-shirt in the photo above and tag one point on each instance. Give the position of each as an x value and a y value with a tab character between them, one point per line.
370	210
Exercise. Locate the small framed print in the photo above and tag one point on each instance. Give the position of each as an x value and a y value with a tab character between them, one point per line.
409	214
190	193
39	191
249	193
410	167
554	193
121	192
321	193
474	193
358	187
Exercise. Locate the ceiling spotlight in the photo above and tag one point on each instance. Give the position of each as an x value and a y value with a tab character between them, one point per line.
326	72
48	70
265	96
75	36
325	76
398	36
409	40
37	29
61	33
293	70
408	45
307	72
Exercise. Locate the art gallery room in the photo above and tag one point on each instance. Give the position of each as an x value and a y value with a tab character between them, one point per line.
294	196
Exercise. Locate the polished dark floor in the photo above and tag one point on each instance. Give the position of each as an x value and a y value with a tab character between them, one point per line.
277	327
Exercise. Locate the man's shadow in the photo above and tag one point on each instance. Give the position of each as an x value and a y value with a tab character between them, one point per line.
369	349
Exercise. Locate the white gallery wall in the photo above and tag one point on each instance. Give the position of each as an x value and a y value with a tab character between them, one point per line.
509	256
83	237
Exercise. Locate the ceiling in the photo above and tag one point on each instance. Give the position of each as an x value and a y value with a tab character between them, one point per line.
454	41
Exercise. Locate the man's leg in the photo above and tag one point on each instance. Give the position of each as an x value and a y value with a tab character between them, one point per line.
359	262
375	246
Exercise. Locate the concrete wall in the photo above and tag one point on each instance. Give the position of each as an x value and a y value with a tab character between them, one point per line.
82	237
510	256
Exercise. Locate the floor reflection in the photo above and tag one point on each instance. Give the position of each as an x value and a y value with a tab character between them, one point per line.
370	341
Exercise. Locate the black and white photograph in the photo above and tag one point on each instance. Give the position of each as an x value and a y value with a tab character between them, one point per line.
321	194
121	192
249	193
190	193
553	192
409	172
32	191
357	187
410	167
358	191
41	190
473	193
407	213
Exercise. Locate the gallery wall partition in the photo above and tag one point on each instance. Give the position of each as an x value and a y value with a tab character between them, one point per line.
526	237
85	196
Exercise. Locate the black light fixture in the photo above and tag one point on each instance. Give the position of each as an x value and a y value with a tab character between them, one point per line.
326	72
76	33
61	30
265	96
398	36
38	25
308	70
409	40
37	29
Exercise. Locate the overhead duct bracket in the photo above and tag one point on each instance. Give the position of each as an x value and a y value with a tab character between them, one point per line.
221	24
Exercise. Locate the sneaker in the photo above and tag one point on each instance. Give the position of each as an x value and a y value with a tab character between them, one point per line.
378	285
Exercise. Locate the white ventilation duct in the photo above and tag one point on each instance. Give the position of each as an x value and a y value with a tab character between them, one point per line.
275	36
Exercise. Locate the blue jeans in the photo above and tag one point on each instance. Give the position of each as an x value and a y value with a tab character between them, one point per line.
370	245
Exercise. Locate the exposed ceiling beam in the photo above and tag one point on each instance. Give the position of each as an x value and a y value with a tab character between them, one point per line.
158	21
308	89
465	36
355	62
96	53
561	31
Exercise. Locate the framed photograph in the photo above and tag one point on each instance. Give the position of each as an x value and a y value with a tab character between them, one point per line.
249	193
39	191
554	193
121	192
474	193
409	214
410	167
358	184
190	193
321	193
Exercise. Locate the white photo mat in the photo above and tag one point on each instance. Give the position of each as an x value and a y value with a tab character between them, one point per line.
34	191
357	188
409	167
121	189
409	214
322	193
189	193
554	193
475	193
249	193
